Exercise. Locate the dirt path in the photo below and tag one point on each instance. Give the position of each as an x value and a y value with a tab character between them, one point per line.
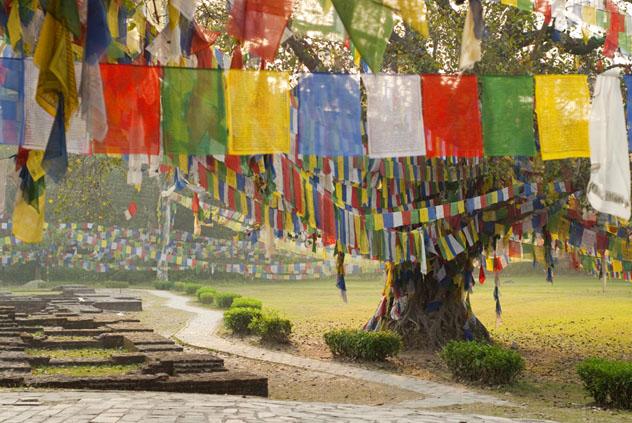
200	332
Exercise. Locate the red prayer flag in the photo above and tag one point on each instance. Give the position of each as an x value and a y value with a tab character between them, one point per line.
132	100
617	24
452	117
259	25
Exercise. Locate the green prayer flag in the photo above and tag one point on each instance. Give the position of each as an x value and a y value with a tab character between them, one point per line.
318	19
525	5
369	25
194	116
508	116
66	12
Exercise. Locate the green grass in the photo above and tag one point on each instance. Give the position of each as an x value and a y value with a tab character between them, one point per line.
100	353
85	371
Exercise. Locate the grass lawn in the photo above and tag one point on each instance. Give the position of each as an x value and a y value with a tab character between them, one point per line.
85	371
69	354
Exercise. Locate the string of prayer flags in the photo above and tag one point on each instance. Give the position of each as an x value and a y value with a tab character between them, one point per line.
132	99
452	119
609	187
329	115
11	101
259	25
394	116
507	114
369	25
258	111
193	112
562	104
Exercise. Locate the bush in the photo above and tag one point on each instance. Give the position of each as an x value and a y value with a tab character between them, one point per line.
191	288
225	299
179	286
164	285
206	297
238	319
609	382
358	344
204	289
271	328
481	362
243	302
117	284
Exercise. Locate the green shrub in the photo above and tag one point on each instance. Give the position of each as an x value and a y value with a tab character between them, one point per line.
609	382
225	299
243	302
238	319
358	344
204	289
481	362
179	286
206	297
117	284
164	285
271	328
191	288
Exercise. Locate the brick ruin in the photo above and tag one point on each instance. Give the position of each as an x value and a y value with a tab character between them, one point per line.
81	318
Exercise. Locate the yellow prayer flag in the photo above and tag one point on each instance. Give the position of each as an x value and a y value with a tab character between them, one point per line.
34	164
424	217
562	105
14	27
413	12
378	222
513	3
28	223
258	112
589	15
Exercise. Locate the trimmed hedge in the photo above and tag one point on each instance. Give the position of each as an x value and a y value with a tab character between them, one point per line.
192	288
481	362
244	302
225	299
164	285
206	297
271	328
179	286
117	284
204	289
358	344
609	382
238	319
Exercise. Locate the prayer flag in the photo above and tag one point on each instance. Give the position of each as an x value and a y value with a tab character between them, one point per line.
258	107
562	107
194	117
132	99
329	115
11	101
259	25
452	119
628	108
369	25
394	124
318	19
508	116
609	187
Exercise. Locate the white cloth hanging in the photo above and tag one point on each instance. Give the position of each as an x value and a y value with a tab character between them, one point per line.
394	116
609	186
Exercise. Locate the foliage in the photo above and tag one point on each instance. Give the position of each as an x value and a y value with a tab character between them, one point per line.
179	286
86	371
609	382
245	302
225	299
272	328
358	344
204	290
191	288
238	319
206	297
481	362
164	285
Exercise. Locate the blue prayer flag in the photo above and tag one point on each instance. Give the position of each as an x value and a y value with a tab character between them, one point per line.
11	101
329	115
628	108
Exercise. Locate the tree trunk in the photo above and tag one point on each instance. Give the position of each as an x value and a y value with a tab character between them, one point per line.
432	312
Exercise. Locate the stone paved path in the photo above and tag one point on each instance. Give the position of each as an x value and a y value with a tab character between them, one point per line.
200	332
127	407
